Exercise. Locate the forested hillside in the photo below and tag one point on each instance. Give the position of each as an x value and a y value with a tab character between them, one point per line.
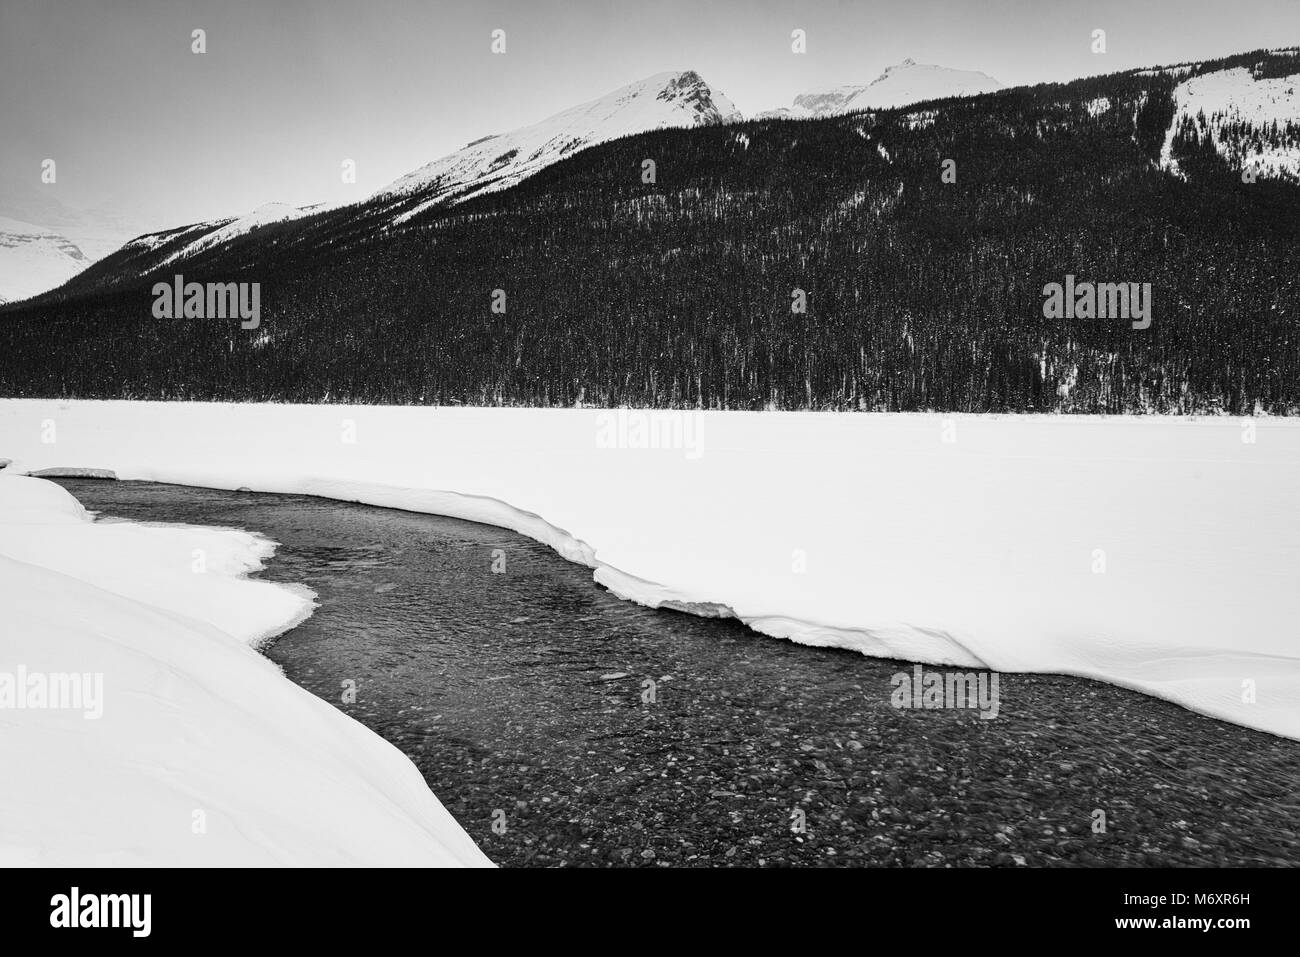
920	293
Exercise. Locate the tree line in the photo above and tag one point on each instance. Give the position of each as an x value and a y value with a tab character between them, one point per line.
922	291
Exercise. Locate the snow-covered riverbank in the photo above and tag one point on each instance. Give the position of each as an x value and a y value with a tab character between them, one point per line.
139	727
1156	553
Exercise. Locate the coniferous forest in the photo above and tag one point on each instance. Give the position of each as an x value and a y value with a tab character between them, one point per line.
920	294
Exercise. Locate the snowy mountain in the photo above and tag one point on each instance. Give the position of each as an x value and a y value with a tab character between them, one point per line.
1234	109
215	232
490	163
34	259
45	240
900	85
96	229
497	162
607	303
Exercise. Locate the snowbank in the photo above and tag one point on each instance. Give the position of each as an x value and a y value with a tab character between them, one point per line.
1156	553
201	752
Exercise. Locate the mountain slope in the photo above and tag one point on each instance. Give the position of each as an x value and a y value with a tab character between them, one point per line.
665	100
498	162
921	294
1228	109
900	85
208	235
96	230
34	259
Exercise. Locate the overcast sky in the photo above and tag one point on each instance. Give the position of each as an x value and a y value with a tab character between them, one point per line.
288	89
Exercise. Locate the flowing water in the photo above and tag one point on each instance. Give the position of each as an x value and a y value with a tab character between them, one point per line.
562	726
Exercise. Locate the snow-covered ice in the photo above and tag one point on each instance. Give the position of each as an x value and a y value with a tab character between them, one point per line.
1156	553
203	753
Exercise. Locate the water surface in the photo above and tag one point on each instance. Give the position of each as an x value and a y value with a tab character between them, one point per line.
520	694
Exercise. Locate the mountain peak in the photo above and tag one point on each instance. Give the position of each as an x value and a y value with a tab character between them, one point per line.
674	99
689	88
899	85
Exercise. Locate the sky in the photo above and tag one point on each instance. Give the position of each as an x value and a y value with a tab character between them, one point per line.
288	89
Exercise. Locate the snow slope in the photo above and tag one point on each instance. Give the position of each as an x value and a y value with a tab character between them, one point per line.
1236	96
901	84
34	259
264	215
196	726
1156	553
496	162
674	99
96	229
215	232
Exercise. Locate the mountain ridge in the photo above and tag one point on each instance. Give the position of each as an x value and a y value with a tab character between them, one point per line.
493	162
901	84
922	293
498	161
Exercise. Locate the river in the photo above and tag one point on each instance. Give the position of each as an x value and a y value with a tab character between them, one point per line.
563	726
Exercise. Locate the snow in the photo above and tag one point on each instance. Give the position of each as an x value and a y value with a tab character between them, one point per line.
911	82
853	202
202	754
1235	95
862	531
151	241
96	230
826	102
900	85
217	231
921	119
1174	71
496	162
671	99
264	215
1097	105
34	260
